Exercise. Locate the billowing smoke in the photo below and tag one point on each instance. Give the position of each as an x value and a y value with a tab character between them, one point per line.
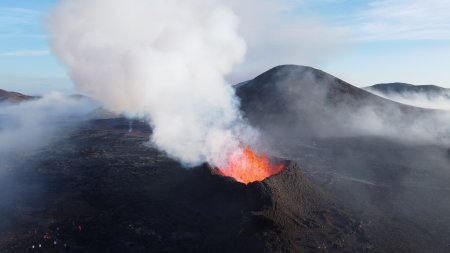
164	60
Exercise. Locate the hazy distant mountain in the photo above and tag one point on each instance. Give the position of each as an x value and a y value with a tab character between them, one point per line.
426	96
402	88
13	97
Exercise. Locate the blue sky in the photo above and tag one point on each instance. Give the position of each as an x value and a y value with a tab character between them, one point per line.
26	63
386	41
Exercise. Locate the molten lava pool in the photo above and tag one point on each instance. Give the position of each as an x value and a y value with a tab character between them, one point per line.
247	167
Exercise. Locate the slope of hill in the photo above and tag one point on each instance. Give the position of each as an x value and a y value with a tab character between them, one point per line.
388	162
305	102
13	97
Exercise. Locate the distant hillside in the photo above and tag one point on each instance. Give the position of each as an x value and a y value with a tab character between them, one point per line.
13	97
425	96
402	88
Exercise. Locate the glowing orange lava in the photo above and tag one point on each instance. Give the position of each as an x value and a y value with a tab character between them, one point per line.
248	167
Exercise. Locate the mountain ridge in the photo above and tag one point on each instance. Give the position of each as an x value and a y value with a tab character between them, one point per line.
400	87
13	97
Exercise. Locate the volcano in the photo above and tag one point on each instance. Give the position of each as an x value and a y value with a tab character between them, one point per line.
101	188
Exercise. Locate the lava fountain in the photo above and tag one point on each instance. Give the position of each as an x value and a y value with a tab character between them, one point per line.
247	167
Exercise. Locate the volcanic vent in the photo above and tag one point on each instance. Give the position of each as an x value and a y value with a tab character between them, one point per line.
247	167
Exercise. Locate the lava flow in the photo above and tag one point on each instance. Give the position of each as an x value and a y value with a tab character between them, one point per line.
248	167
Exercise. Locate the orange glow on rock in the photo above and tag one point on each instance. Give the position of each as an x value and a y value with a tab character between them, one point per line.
248	167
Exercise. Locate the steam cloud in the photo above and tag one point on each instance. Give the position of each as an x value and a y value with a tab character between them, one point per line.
164	60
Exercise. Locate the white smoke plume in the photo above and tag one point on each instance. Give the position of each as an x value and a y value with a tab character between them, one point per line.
164	60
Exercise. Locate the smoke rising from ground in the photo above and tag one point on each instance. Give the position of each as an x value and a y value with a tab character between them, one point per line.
168	60
164	60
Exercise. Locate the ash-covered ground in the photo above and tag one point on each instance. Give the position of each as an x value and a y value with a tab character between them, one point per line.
102	190
363	174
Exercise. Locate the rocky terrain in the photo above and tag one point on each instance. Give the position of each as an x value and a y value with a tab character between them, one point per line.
102	188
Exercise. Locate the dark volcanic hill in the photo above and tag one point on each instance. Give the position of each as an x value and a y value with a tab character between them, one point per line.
13	97
366	150
402	88
301	101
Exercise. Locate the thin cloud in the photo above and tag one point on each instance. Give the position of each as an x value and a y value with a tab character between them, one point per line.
25	53
21	10
17	16
388	20
20	23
